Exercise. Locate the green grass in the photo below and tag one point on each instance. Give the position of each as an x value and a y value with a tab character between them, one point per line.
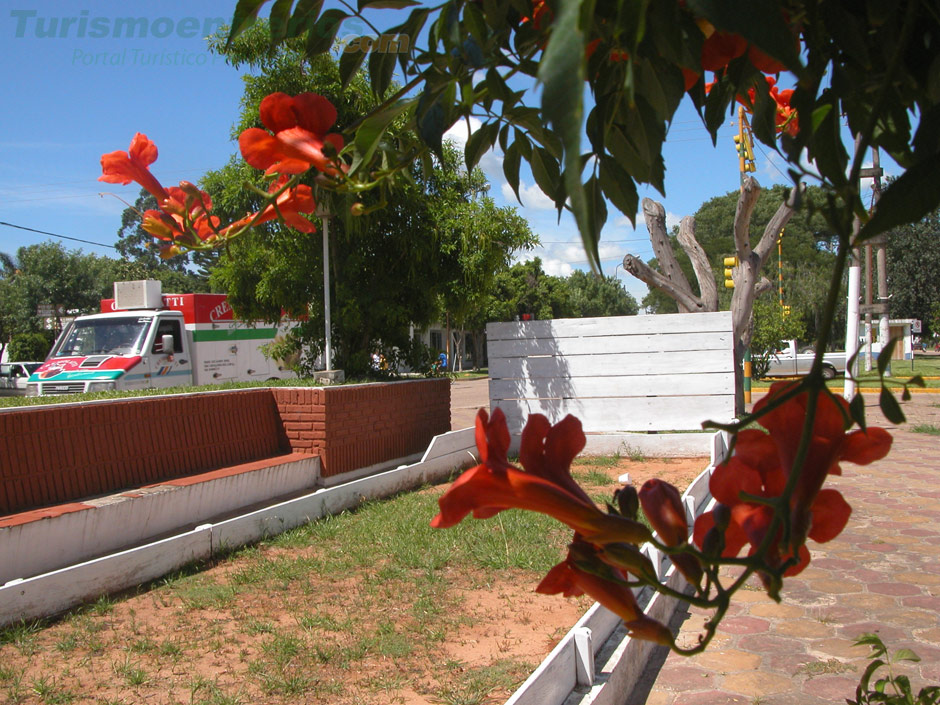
393	601
929	429
901	371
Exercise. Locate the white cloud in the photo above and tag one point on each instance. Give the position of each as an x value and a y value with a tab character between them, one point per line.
459	134
530	195
491	162
557	267
672	221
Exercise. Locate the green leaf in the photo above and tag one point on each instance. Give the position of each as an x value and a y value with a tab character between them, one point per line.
619	187
906	655
884	357
826	148
909	198
917	381
370	132
431	125
890	407
479	143
386	4
246	14
279	19
304	17
321	35
350	61
561	73
381	68
596	202
511	159
546	172
857	410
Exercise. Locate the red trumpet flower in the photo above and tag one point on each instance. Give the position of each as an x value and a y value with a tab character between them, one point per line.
298	135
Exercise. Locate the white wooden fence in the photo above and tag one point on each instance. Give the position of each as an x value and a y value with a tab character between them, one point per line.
616	374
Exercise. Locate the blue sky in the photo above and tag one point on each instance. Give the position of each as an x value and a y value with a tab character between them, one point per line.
82	77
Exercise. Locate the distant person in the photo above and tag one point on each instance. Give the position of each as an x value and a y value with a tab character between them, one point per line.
442	361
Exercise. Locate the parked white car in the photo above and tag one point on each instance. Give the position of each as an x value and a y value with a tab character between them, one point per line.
787	363
13	376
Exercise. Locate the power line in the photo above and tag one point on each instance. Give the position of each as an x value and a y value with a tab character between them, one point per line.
63	237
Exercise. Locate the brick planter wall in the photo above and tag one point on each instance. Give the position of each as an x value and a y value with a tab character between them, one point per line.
355	426
57	454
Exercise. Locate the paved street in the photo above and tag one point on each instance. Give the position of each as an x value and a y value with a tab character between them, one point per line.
882	574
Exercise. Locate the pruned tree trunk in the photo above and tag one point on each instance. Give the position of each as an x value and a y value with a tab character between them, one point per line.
672	280
747	281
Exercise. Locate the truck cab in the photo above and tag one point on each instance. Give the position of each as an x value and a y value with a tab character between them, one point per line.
124	350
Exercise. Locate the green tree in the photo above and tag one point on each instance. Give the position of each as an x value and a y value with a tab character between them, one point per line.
29	347
913	253
526	292
477	240
431	240
68	282
593	296
185	273
773	325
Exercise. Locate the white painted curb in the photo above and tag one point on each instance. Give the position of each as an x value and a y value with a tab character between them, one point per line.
53	592
618	662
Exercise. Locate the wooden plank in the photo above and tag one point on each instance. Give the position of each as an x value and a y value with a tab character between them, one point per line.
613	325
610	344
719	383
611	365
639	414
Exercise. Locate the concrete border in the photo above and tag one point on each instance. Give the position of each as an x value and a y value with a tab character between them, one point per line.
53	592
616	662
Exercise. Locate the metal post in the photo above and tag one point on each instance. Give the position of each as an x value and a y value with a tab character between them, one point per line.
328	349
851	329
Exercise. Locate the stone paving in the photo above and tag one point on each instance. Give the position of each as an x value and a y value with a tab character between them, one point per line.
882	574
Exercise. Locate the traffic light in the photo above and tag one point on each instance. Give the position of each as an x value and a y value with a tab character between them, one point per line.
730	263
745	150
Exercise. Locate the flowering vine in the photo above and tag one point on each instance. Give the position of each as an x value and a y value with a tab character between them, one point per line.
769	496
296	141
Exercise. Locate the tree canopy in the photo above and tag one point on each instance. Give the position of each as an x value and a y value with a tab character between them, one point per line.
913	253
425	248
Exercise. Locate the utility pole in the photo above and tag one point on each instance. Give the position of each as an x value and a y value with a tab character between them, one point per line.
879	244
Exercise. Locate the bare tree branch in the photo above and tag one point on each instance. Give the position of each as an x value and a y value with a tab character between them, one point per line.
638	268
655	216
762	287
703	270
776	224
750	191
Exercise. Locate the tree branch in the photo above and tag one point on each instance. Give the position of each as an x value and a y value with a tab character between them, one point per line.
655	216
750	191
700	264
639	269
763	286
776	224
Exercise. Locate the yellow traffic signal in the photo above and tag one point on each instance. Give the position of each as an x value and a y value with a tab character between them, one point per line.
730	263
745	150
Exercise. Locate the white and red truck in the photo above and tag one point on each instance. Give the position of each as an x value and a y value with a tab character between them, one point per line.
146	339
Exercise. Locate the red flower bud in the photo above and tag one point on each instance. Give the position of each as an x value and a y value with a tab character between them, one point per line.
663	507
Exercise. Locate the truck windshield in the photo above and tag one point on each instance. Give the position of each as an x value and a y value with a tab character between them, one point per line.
104	336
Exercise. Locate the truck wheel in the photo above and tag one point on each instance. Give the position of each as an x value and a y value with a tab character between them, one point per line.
828	372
